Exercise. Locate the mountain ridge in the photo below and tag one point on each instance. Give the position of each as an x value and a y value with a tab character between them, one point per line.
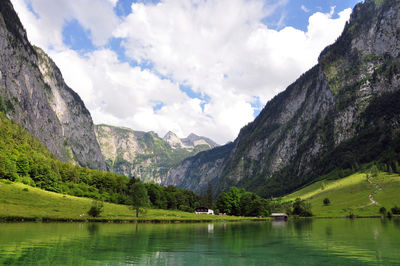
144	155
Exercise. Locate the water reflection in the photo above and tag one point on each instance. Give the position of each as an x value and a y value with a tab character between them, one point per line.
396	222
306	242
385	222
210	228
303	225
93	228
279	224
328	231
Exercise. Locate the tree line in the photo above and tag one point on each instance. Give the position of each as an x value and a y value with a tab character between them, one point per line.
239	202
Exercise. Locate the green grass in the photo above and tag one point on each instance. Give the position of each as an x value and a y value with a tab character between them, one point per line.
347	195
350	195
20	201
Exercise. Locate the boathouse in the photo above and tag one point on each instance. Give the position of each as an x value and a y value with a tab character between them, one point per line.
280	216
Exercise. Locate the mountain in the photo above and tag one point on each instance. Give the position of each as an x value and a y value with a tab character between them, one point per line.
34	95
173	140
145	155
193	140
189	143
342	113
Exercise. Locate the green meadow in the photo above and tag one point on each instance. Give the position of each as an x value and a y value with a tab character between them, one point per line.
19	201
350	195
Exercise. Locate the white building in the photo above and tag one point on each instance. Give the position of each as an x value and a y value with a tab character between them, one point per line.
204	210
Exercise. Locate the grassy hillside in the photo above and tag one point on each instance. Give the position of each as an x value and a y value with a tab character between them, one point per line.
22	201
351	195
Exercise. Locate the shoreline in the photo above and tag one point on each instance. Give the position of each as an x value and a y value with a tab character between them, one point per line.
20	219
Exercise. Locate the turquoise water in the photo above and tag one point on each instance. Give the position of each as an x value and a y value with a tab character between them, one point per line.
304	242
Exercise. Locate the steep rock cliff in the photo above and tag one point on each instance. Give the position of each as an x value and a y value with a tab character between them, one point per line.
33	93
330	118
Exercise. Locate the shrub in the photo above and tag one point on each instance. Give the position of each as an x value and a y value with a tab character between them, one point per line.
326	201
396	210
351	216
382	211
96	209
301	208
185	208
7	182
25	180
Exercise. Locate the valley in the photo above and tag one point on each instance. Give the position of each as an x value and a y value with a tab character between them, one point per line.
78	189
336	122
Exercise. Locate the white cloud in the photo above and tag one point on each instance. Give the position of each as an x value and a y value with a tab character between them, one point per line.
119	94
304	8
113	2
97	16
219	48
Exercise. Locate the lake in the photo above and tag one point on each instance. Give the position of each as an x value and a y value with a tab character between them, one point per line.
301	242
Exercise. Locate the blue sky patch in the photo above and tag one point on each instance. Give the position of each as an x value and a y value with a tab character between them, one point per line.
123	7
205	99
30	7
158	106
257	106
115	44
77	38
189	92
296	12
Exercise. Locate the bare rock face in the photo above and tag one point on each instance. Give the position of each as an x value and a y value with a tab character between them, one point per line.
34	95
127	151
76	121
173	140
193	140
189	143
195	173
320	121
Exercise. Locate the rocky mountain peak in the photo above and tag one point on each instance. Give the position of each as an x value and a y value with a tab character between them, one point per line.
173	140
193	140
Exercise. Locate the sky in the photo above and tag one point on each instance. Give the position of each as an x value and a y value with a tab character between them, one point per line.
189	66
